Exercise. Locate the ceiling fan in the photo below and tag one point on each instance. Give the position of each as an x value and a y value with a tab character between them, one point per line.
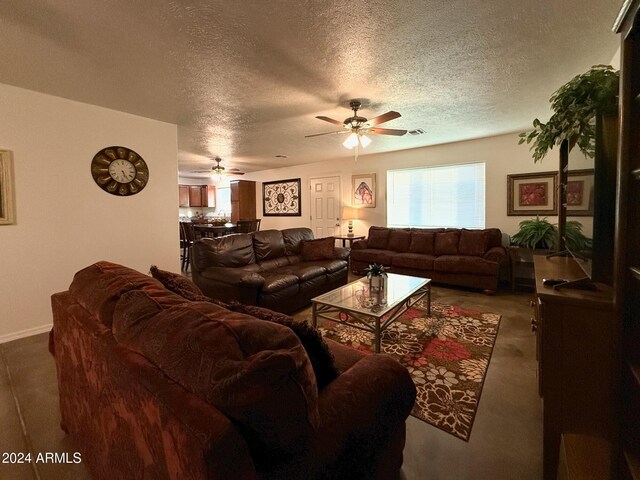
358	127
219	171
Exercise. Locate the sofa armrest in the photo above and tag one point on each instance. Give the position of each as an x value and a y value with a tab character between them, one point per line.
234	276
362	411
496	254
360	244
341	253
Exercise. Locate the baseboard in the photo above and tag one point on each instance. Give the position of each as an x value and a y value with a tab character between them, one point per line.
25	333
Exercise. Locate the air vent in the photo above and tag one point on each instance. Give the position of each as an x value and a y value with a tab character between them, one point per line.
417	131
281	156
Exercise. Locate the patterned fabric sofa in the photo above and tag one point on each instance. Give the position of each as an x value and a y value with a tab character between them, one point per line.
468	258
153	385
269	268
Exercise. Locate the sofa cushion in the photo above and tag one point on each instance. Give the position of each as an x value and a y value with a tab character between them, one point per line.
472	242
304	271
247	368
268	244
319	354
98	287
399	240
465	264
372	255
273	264
446	243
275	281
331	266
422	242
229	251
293	238
178	284
320	249
418	261
493	238
378	238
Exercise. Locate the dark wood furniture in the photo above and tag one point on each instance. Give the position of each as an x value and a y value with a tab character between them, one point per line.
197	195
243	200
627	247
249	226
348	239
575	335
187	237
212	231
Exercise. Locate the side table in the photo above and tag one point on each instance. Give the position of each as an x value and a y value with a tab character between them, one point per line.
347	238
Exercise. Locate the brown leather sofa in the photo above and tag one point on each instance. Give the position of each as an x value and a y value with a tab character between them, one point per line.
266	268
467	258
155	386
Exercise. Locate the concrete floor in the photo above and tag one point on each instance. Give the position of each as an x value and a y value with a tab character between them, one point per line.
505	443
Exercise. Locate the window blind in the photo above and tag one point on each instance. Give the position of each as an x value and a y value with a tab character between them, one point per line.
441	196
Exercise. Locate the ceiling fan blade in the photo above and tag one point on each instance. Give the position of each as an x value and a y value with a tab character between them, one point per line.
386	131
330	120
235	173
326	133
200	171
385	117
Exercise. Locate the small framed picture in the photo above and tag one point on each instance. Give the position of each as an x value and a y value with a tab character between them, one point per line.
532	194
363	190
7	205
579	193
281	198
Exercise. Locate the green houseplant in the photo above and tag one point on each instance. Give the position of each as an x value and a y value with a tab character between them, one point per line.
575	106
540	233
376	275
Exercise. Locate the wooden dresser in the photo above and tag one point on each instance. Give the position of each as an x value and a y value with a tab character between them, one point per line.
575	333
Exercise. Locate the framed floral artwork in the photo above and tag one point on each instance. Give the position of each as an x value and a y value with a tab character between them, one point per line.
281	198
363	190
7	206
532	194
579	193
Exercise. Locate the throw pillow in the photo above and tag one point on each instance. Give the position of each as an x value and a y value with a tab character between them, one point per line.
322	360
378	237
422	242
447	243
399	240
320	249
472	242
179	284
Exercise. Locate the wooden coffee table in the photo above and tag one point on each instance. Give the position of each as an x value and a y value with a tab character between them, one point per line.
358	306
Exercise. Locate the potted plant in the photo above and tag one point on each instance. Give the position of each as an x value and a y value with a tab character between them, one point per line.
376	275
576	105
538	233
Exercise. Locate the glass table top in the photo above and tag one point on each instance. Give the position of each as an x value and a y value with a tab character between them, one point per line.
359	297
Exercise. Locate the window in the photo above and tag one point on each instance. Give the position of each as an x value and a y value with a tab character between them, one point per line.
443	196
223	201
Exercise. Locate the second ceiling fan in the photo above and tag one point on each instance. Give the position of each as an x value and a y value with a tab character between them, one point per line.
358	127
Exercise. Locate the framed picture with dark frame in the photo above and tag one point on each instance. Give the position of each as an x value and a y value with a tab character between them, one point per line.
580	193
281	198
532	194
363	190
7	205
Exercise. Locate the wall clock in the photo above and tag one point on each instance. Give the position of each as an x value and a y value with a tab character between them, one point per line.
119	171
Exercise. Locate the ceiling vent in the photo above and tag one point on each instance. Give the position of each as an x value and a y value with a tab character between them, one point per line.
417	131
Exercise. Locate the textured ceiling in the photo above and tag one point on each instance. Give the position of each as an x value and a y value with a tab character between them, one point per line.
245	79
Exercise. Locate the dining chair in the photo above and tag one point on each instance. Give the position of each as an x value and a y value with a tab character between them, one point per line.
248	226
187	238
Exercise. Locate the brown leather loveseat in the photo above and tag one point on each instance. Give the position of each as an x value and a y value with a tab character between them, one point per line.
153	385
468	258
275	269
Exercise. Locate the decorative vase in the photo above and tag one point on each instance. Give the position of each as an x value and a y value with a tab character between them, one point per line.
378	282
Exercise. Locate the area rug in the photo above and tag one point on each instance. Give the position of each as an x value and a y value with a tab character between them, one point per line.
446	353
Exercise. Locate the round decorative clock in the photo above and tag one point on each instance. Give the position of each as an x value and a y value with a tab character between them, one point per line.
119	171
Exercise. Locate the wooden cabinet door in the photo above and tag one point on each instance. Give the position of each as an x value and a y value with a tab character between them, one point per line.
183	195
195	196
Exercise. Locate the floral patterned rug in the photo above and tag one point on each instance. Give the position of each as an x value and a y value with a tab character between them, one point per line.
447	355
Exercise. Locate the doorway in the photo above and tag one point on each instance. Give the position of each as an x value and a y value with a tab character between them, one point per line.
325	206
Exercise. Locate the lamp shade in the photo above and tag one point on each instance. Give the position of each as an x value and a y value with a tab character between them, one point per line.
349	213
351	141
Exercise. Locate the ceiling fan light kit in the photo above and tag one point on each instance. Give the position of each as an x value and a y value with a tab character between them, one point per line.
360	126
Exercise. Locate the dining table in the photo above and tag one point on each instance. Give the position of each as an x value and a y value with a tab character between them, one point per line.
214	230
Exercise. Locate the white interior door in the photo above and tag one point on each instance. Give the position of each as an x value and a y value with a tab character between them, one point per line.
325	206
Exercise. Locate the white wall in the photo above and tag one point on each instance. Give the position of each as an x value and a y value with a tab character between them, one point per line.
501	154
64	220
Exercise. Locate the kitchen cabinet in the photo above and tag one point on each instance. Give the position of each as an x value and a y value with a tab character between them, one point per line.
243	200
197	195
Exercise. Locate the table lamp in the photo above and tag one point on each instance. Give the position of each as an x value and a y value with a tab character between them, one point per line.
350	214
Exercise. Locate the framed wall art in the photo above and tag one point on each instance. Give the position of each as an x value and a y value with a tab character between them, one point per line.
580	193
7	205
532	194
281	198
363	190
